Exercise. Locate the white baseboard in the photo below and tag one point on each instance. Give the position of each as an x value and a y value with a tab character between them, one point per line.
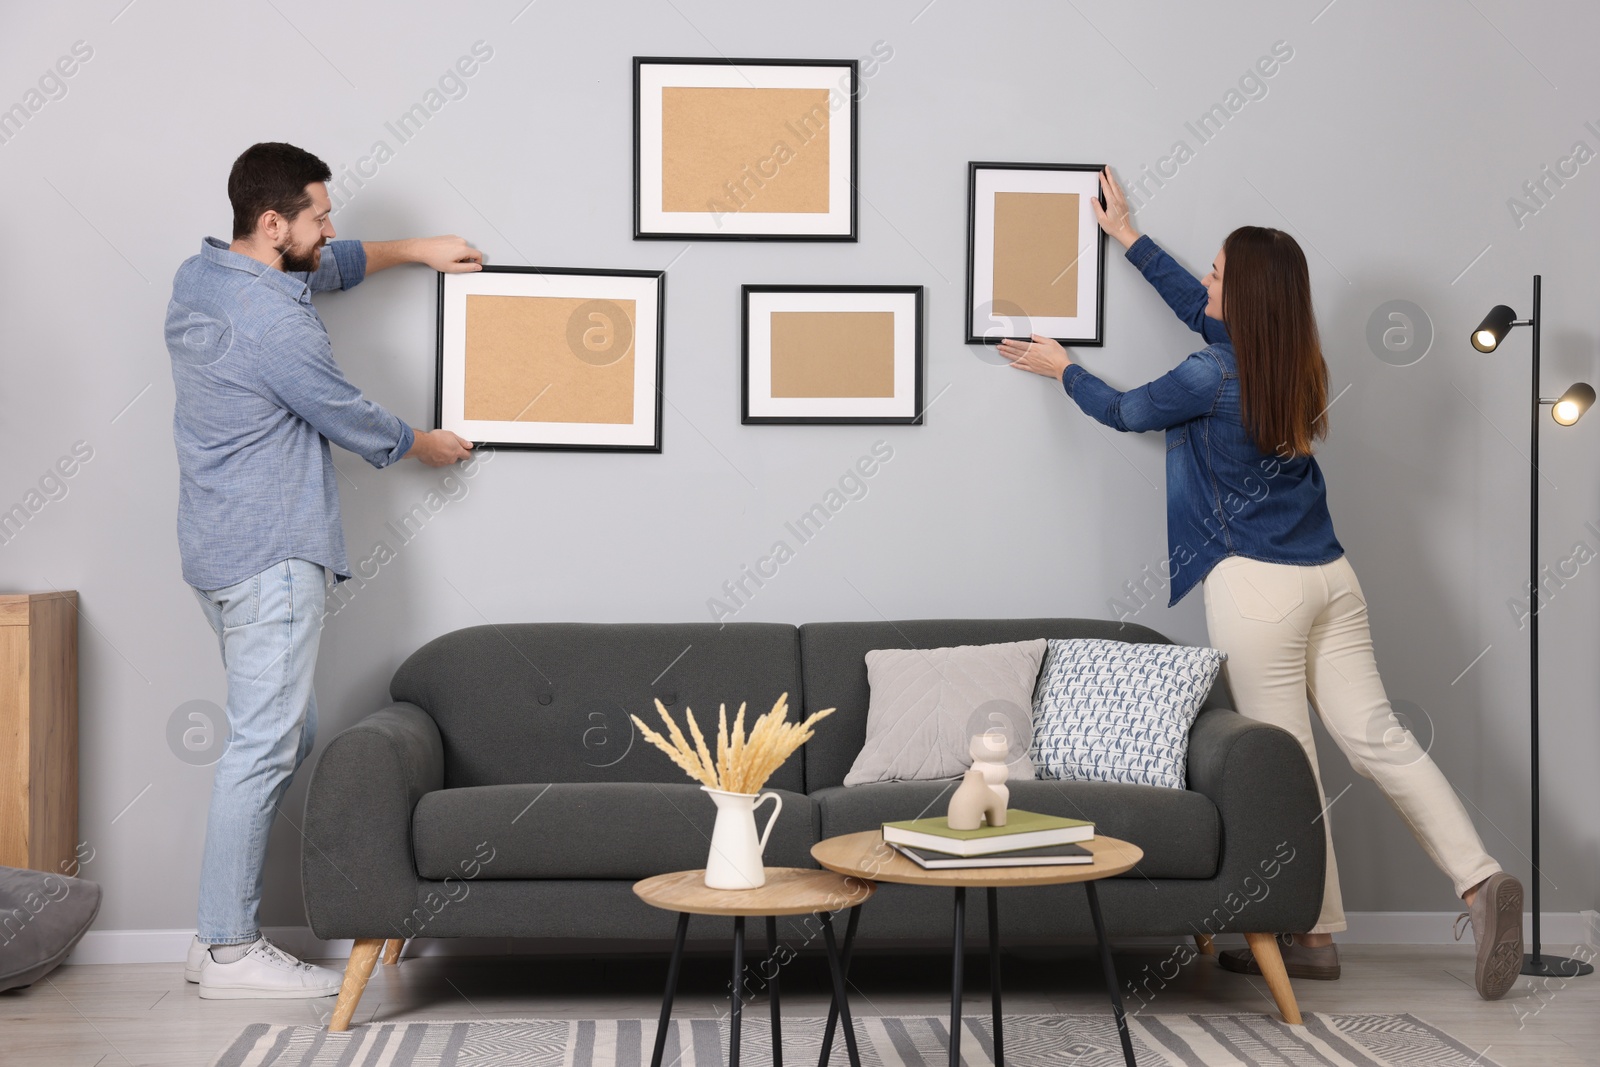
171	946
1366	928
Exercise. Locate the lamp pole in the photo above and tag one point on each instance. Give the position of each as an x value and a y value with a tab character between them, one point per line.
1567	409
1536	963
1533	963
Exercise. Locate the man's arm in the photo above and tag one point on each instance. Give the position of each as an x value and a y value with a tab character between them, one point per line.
448	254
303	377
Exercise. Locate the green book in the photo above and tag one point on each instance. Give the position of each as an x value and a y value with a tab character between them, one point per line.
1023	829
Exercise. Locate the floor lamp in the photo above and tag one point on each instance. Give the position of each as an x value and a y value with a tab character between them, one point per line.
1565	410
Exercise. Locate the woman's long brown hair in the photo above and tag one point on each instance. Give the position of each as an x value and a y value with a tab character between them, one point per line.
1266	306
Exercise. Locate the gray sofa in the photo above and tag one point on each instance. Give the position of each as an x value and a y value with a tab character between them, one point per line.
505	793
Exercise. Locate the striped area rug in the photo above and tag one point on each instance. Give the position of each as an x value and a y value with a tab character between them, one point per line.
1351	1040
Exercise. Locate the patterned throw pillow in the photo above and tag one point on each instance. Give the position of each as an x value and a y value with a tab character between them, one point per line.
1119	711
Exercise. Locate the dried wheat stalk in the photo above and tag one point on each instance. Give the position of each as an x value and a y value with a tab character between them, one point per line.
743	762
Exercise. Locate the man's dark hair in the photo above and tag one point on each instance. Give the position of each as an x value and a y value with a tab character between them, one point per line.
271	176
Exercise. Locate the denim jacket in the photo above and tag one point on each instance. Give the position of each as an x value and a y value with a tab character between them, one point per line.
1225	497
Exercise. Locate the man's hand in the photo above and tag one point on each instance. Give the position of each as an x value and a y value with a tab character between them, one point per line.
439	448
1042	355
449	254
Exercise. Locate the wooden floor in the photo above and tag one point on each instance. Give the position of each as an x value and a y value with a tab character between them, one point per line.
141	1014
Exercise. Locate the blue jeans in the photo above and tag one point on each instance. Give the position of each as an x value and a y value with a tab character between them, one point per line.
268	627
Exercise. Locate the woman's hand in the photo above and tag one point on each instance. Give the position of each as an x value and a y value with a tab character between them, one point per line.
1042	355
1115	218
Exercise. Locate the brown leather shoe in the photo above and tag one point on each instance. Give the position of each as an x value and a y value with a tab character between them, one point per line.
1495	915
1319	964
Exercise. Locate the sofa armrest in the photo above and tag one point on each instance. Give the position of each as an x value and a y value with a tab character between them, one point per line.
356	864
1269	876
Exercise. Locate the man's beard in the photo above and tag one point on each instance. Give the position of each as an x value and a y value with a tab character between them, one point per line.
295	260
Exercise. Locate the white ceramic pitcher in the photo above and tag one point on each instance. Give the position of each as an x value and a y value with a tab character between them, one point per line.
735	860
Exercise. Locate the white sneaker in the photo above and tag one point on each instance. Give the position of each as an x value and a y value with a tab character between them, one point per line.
266	972
195	960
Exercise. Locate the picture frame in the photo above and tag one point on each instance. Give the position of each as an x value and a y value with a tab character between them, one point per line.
1035	253
744	149
552	358
831	354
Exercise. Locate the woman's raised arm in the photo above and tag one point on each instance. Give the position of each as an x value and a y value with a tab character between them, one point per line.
1181	290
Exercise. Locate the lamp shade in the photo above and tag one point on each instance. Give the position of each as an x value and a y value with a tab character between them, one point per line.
1493	329
1573	403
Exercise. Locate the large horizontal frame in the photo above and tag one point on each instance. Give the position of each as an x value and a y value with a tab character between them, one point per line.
854	66
519	446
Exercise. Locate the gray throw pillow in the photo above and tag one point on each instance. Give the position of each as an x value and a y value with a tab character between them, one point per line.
43	915
927	704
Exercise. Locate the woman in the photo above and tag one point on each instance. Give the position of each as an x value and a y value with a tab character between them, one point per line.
1247	517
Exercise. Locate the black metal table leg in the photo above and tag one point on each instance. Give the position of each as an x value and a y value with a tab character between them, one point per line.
773	965
958	952
1111	973
994	975
840	991
672	988
736	991
833	1009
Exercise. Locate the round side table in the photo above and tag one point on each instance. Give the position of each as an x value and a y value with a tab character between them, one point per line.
865	855
788	891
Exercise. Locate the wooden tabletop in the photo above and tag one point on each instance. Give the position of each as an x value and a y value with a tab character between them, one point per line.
15	607
789	891
865	855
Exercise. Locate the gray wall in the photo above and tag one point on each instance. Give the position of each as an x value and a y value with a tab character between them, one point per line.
1389	145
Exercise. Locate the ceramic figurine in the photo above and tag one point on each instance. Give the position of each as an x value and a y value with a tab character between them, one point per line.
982	796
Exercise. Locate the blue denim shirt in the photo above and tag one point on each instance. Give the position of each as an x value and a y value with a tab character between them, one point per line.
258	399
1225	497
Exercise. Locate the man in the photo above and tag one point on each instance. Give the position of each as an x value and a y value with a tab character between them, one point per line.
258	399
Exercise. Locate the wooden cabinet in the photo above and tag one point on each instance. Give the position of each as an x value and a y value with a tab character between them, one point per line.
39	730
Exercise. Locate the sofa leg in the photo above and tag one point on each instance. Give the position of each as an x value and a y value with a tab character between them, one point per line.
391	950
1270	960
1204	944
363	957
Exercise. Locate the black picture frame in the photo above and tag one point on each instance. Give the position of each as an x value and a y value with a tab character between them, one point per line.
917	292
973	336
660	279
642	233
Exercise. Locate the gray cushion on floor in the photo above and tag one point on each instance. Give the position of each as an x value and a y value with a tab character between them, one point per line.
42	916
1179	830
588	830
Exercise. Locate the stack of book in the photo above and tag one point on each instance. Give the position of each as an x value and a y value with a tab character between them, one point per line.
1028	839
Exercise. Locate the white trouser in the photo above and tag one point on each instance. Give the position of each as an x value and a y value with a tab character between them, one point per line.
1293	632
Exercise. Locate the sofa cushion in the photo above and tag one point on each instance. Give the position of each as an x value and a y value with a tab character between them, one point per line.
926	705
549	702
1180	831
1111	711
587	830
833	659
